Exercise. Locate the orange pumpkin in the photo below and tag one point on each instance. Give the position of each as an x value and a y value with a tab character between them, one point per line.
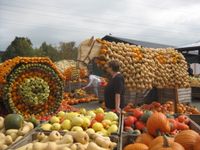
144	138
167	145
136	146
182	126
183	119
159	139
187	139
158	122
197	144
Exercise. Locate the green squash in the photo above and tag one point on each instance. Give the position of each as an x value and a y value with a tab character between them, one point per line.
136	132
169	116
13	121
145	116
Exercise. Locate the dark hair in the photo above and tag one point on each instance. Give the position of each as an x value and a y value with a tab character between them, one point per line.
114	65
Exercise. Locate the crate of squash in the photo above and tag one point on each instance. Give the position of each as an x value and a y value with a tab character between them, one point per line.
140	126
12	129
66	141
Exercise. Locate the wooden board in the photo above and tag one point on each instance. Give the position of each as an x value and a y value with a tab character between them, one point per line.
184	95
195	118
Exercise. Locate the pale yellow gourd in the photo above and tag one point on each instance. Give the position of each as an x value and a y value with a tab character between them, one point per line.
28	126
39	146
10	131
66	139
54	135
94	146
1	123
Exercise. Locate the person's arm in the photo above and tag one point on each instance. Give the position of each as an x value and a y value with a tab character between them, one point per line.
89	84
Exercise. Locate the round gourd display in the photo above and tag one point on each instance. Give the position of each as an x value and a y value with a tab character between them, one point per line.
33	87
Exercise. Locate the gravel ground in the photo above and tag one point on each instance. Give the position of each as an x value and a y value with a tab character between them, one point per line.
88	106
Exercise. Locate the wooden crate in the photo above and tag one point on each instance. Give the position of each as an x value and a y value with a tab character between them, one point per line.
21	140
195	93
184	95
195	118
136	97
130	138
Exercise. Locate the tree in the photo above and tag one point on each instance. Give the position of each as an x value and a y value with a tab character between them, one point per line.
68	50
21	46
49	51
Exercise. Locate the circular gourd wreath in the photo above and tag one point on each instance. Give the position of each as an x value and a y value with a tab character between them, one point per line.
33	88
34	91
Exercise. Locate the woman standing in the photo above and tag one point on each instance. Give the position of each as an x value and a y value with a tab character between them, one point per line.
115	89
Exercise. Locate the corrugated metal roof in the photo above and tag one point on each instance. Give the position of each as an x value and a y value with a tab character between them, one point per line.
193	45
135	42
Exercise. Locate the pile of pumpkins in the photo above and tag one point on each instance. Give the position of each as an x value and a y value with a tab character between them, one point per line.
138	121
78	140
155	127
144	68
63	64
194	81
185	140
71	99
75	74
168	107
12	129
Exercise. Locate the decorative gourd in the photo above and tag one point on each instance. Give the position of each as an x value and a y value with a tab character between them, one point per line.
173	124
129	121
197	144
187	139
156	123
136	146
146	116
183	119
54	135
159	139
137	112
140	125
13	121
167	145
1	122
182	126
144	138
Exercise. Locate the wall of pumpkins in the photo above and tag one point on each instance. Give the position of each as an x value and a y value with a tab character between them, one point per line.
145	68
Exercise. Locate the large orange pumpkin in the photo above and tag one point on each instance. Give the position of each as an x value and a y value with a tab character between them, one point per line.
156	123
144	138
197	144
167	145
136	146
187	139
159	139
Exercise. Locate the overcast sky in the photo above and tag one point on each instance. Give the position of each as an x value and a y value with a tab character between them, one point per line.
172	22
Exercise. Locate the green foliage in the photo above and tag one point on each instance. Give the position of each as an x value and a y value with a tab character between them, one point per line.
23	47
68	50
19	47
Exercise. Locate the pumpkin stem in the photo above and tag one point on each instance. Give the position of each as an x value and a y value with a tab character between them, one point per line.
158	132
165	141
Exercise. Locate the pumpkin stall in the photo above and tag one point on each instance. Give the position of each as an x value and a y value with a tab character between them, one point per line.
143	68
